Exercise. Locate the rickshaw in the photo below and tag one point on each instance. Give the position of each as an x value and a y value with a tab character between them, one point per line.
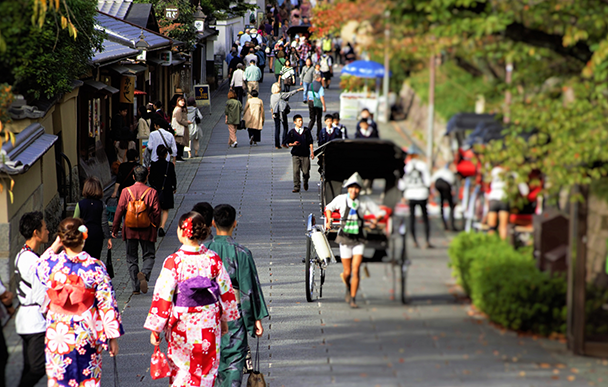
373	159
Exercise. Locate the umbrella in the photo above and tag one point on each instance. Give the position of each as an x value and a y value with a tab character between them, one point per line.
364	69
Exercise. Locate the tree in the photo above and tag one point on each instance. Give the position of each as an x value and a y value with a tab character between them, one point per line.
558	48
42	59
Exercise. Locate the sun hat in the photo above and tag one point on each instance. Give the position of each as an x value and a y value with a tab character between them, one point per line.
355	179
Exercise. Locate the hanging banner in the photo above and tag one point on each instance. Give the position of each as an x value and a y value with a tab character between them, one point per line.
127	89
202	95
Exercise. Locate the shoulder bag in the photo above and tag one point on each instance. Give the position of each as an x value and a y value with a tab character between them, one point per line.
177	127
316	100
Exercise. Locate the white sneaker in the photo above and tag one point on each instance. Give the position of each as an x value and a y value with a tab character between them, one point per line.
235	144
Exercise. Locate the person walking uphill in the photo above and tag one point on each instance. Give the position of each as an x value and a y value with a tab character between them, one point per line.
415	185
82	316
233	117
193	293
302	152
93	213
254	117
240	265
139	206
30	322
163	179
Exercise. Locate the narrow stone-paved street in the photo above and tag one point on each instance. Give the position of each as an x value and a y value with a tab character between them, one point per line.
433	341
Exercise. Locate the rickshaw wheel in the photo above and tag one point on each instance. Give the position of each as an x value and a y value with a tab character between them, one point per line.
310	271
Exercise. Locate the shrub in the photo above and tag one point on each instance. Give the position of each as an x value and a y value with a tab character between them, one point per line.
461	255
506	285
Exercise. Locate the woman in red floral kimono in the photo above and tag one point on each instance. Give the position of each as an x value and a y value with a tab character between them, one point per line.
193	293
82	315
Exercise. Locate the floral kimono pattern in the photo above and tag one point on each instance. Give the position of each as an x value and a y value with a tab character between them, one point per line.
192	332
79	329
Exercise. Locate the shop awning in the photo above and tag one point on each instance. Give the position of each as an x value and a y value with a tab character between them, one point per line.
100	87
30	145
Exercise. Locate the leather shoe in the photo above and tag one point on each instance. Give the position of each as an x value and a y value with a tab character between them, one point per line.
305	186
296	190
143	282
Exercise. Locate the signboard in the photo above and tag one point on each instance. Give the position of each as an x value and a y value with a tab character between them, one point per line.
127	89
166	57
202	96
171	12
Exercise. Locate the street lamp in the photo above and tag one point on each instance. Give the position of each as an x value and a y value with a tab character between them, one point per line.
199	18
142	46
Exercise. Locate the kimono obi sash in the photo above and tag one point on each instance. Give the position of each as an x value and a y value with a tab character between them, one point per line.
71	297
197	291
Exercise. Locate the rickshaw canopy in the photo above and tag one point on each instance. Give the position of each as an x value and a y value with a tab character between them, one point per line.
373	159
467	121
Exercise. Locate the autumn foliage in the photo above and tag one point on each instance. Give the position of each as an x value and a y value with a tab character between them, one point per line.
329	18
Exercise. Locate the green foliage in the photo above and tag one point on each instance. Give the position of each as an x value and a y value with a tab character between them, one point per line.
456	90
461	257
506	285
356	84
558	49
596	316
42	62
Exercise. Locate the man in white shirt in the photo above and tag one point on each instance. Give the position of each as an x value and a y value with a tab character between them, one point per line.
415	185
245	37
251	57
443	180
160	136
30	323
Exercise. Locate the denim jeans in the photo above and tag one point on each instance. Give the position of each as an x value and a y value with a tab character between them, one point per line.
306	87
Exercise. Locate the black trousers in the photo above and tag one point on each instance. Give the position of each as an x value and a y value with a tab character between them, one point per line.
147	256
425	216
445	192
280	118
3	359
239	93
316	115
33	359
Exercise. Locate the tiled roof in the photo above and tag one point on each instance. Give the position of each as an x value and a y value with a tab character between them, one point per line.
116	8
30	145
121	39
139	14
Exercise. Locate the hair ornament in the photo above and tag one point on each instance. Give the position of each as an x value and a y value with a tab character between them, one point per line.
84	230
187	228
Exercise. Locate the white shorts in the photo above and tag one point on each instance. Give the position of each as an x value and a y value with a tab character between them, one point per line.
347	251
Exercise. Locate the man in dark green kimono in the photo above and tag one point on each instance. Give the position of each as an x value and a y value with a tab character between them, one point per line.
239	264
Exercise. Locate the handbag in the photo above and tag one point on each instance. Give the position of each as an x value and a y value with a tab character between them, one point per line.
159	366
177	127
241	125
256	378
316	100
109	264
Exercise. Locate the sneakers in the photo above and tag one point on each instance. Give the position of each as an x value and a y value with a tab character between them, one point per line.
143	282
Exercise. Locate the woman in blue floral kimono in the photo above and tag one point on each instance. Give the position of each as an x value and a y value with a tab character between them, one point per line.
82	314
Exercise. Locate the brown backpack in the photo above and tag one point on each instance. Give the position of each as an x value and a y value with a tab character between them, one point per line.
137	212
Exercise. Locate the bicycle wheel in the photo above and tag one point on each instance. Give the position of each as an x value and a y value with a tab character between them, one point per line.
321	282
310	271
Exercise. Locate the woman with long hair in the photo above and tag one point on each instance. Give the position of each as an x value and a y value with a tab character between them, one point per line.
192	303
92	210
180	123
81	313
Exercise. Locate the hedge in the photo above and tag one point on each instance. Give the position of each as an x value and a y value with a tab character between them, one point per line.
506	285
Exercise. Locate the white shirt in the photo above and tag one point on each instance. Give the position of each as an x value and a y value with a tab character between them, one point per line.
416	181
237	78
29	319
155	140
366	206
300	130
249	58
444	174
498	185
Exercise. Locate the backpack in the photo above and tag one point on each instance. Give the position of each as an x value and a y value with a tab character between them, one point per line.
137	212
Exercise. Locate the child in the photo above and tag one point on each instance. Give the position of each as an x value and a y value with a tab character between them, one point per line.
365	130
329	132
300	140
338	125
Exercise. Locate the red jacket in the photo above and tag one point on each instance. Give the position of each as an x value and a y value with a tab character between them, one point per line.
151	200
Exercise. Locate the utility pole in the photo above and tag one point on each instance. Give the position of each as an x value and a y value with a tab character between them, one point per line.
508	78
387	36
429	138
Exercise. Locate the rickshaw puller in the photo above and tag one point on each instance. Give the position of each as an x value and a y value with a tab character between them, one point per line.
351	238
